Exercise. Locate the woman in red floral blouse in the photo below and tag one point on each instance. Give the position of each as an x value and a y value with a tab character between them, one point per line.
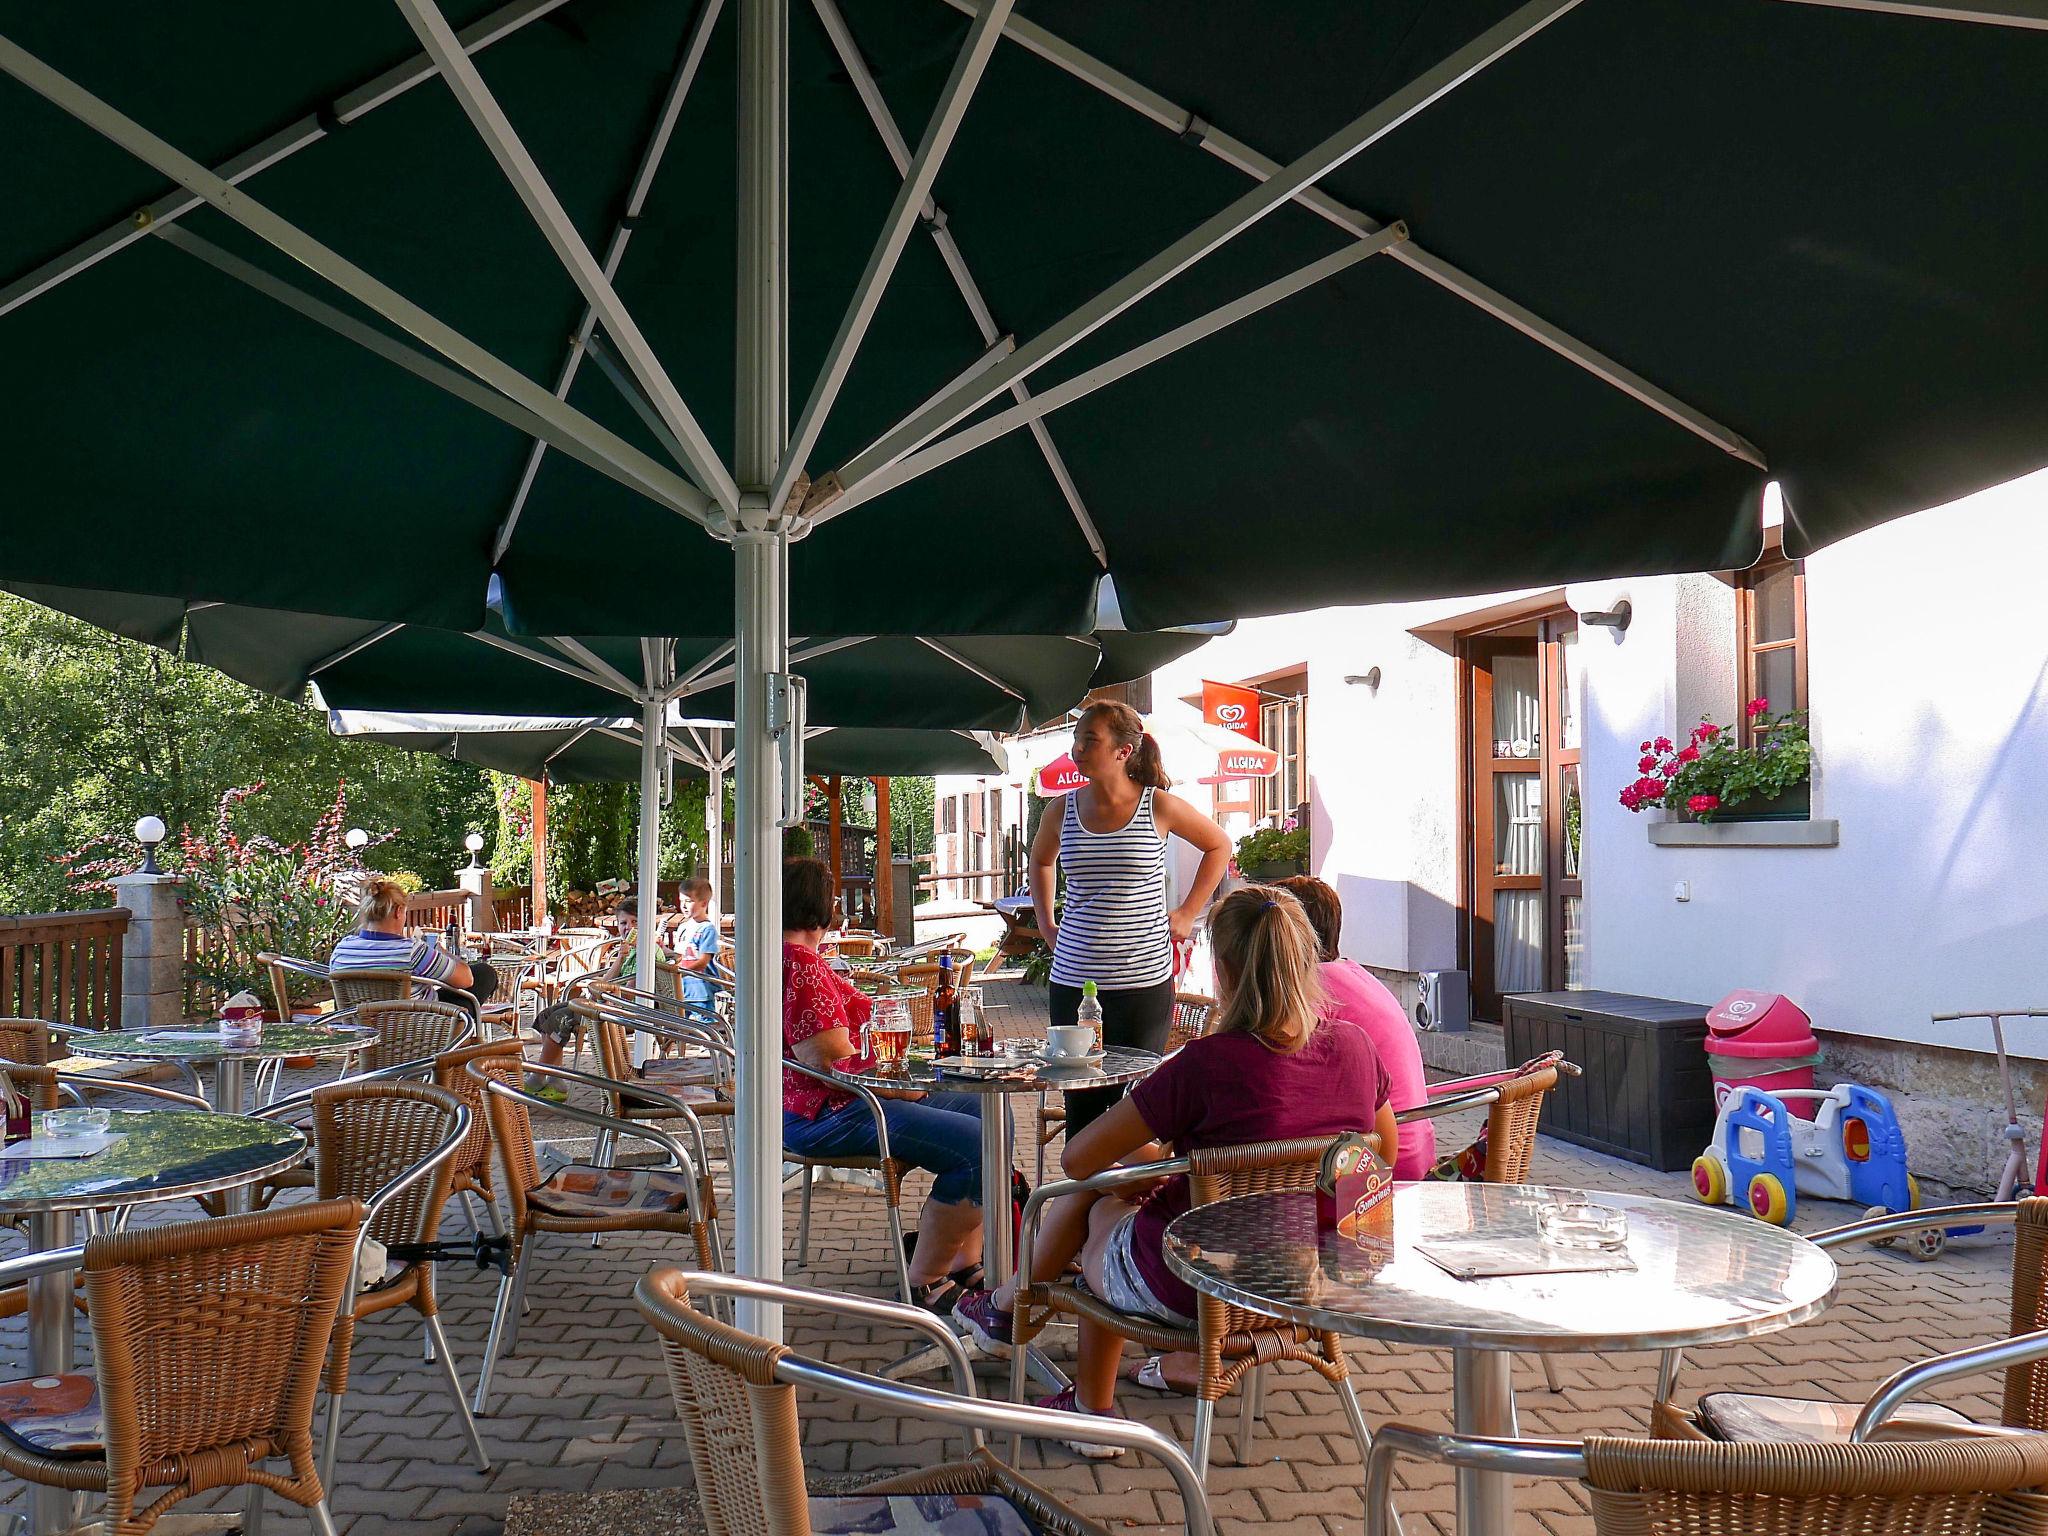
823	1019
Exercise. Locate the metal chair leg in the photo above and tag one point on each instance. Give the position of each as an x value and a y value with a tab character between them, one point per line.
330	1439
502	1323
1363	1436
1249	1393
896	1252
803	1220
1205	1430
1550	1373
439	1343
323	1521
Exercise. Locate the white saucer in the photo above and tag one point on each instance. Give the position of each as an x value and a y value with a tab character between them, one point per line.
1046	1058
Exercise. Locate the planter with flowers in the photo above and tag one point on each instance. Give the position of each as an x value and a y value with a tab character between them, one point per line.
1273	853
1712	777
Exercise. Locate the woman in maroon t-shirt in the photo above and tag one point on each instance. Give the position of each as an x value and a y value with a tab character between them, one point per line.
1267	1072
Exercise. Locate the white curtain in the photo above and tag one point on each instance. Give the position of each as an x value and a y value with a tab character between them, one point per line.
1518	941
1518	823
1517	706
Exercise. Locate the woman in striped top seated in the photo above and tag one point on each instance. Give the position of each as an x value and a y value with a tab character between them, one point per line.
1114	929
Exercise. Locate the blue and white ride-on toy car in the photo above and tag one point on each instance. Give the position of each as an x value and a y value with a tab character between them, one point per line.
1765	1157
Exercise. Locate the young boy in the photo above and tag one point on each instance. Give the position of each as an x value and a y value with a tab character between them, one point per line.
696	941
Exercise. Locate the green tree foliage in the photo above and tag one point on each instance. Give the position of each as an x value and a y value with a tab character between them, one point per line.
910	816
99	731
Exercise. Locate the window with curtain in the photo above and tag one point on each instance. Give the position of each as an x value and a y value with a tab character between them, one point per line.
1771	635
1281	728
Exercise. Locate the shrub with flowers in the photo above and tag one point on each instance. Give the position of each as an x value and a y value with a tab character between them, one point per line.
247	895
1712	772
1284	844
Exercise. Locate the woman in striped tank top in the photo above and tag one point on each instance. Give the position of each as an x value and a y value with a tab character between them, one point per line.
1114	929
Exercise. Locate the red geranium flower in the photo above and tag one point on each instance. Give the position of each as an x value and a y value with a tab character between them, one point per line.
1646	765
1758	707
1645	746
1707	731
1700	804
1663	743
1689	755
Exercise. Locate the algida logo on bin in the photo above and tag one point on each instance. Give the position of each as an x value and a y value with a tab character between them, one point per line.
1354	1189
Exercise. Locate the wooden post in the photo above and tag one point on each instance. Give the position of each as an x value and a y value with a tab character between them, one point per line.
885	862
537	908
834	814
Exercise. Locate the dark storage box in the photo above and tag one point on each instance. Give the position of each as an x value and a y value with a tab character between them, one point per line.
1647	1093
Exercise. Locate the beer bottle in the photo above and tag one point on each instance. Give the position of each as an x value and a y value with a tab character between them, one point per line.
945	1011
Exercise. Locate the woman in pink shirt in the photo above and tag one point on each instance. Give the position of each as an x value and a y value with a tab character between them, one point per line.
1272	1069
1358	997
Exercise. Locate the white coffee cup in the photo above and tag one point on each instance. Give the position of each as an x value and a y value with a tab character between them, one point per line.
1069	1041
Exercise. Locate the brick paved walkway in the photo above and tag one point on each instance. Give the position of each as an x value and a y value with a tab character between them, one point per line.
584	1406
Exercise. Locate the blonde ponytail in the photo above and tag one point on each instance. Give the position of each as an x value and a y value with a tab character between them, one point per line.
1266	959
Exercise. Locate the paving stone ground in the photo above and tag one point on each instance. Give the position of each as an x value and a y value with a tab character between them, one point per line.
583	1405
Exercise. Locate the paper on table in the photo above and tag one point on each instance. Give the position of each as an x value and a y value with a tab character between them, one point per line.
1484	1258
63	1146
183	1034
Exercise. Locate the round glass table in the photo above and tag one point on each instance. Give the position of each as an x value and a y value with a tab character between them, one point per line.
205	1047
1017	1068
161	1155
1700	1275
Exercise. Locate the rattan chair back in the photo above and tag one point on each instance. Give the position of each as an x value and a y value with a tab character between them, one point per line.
738	1420
367	1134
1191	1014
210	1338
1511	1122
38	1082
2026	1386
354	988
1218	1173
470	1168
1952	1487
25	1040
412	1029
504	1061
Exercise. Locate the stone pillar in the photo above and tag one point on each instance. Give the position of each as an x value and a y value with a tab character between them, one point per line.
903	927
152	952
483	917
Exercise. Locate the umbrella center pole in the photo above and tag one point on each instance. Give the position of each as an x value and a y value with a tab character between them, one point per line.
760	540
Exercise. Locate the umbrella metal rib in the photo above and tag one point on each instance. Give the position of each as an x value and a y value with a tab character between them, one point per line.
1234	152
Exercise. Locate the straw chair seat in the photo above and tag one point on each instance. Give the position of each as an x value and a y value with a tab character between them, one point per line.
587	1190
1758	1417
54	1416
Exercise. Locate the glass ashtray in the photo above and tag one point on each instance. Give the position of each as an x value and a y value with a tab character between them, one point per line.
1582	1224
75	1122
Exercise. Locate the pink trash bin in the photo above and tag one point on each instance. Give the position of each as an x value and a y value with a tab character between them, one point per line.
1762	1040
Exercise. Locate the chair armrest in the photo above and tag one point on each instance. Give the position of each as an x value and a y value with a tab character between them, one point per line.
1480	1453
640	1091
2021	1349
1108	1179
303	1099
865	1095
118	1085
978	1414
1982	1213
1447	1104
33	1266
679	1157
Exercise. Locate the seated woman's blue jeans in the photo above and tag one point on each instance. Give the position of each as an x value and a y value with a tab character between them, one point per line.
940	1133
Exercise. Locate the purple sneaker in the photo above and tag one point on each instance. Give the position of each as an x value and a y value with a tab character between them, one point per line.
988	1323
1094	1450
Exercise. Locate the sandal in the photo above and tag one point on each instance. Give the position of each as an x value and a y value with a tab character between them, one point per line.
936	1296
969	1277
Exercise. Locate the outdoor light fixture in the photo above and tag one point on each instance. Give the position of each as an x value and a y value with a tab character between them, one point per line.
1370	677
1615	618
475	844
149	832
357	840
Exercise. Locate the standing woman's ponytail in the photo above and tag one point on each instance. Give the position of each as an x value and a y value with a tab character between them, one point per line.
1126	727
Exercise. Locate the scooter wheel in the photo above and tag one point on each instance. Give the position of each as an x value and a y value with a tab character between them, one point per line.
1927	1244
1767	1199
1709	1180
1871	1215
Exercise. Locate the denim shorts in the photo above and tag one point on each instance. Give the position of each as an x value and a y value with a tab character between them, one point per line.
1125	1286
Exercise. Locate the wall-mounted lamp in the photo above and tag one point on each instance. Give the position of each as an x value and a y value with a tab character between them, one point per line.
1615	618
149	832
1370	677
475	844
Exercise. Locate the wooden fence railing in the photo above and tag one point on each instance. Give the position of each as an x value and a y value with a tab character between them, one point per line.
513	909
199	999
63	966
435	910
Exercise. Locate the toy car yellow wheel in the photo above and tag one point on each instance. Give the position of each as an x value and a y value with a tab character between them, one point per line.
1709	1180
1912	1193
1767	1199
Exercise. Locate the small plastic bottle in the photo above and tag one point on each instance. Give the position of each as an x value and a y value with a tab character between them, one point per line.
1090	1012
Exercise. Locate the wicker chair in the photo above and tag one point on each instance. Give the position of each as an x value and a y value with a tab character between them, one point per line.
354	988
209	1338
1701	1488
888	1170
469	1171
1891	1412
390	1145
1232	1345
735	1395
578	1198
280	969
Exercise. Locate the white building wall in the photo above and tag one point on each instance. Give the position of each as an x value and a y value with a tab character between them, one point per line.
1928	675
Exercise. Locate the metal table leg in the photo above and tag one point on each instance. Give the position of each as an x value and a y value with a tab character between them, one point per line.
227	1086
1483	1388
49	1349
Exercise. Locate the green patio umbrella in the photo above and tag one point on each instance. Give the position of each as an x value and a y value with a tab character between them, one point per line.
1251	307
